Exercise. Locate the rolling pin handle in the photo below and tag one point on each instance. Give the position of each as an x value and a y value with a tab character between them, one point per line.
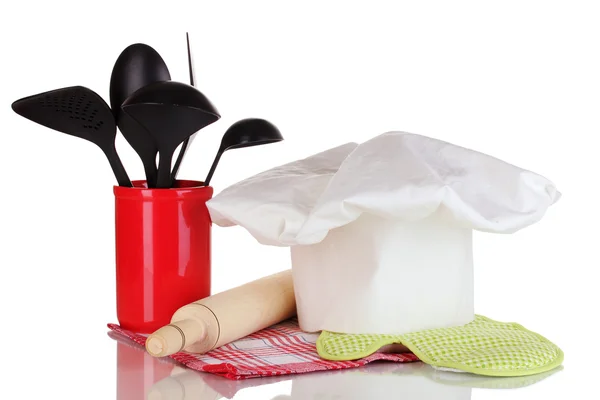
174	337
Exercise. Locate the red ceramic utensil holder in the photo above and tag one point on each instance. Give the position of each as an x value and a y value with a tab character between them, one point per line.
163	244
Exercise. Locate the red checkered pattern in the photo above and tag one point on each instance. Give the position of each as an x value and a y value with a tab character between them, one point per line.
279	350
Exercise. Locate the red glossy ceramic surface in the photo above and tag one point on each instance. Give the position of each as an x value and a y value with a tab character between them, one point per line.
163	255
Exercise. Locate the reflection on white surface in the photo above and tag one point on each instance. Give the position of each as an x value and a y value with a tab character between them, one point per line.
185	383
377	382
416	381
137	371
141	376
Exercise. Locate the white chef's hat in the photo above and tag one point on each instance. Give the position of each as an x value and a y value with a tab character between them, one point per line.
381	232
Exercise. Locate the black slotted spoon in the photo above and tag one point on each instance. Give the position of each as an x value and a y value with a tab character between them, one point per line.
80	112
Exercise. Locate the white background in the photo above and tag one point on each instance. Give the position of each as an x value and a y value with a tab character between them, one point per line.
519	80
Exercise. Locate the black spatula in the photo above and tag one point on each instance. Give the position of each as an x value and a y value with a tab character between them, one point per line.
80	112
188	141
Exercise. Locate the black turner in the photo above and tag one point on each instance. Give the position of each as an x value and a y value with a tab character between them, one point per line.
80	112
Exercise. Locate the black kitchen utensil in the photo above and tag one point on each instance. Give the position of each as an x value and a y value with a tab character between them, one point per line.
171	111
188	141
80	112
137	66
245	133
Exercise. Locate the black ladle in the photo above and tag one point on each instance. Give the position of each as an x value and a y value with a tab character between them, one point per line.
245	133
80	112
171	111
137	66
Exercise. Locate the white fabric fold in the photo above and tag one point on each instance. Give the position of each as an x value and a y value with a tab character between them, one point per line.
395	175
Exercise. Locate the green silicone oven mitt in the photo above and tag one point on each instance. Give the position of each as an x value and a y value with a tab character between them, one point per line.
483	347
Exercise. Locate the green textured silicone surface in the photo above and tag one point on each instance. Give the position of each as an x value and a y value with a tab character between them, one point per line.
483	347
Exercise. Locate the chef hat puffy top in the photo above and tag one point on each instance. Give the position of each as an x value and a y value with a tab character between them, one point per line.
395	175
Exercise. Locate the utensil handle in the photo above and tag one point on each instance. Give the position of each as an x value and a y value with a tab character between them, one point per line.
117	166
190	61
187	141
180	157
151	172
164	171
212	168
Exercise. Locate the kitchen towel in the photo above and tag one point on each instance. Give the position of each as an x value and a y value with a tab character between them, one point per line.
281	349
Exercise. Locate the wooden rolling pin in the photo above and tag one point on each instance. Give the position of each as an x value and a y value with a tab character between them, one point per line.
227	316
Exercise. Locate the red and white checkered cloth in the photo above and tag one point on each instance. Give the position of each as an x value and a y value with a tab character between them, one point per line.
281	349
